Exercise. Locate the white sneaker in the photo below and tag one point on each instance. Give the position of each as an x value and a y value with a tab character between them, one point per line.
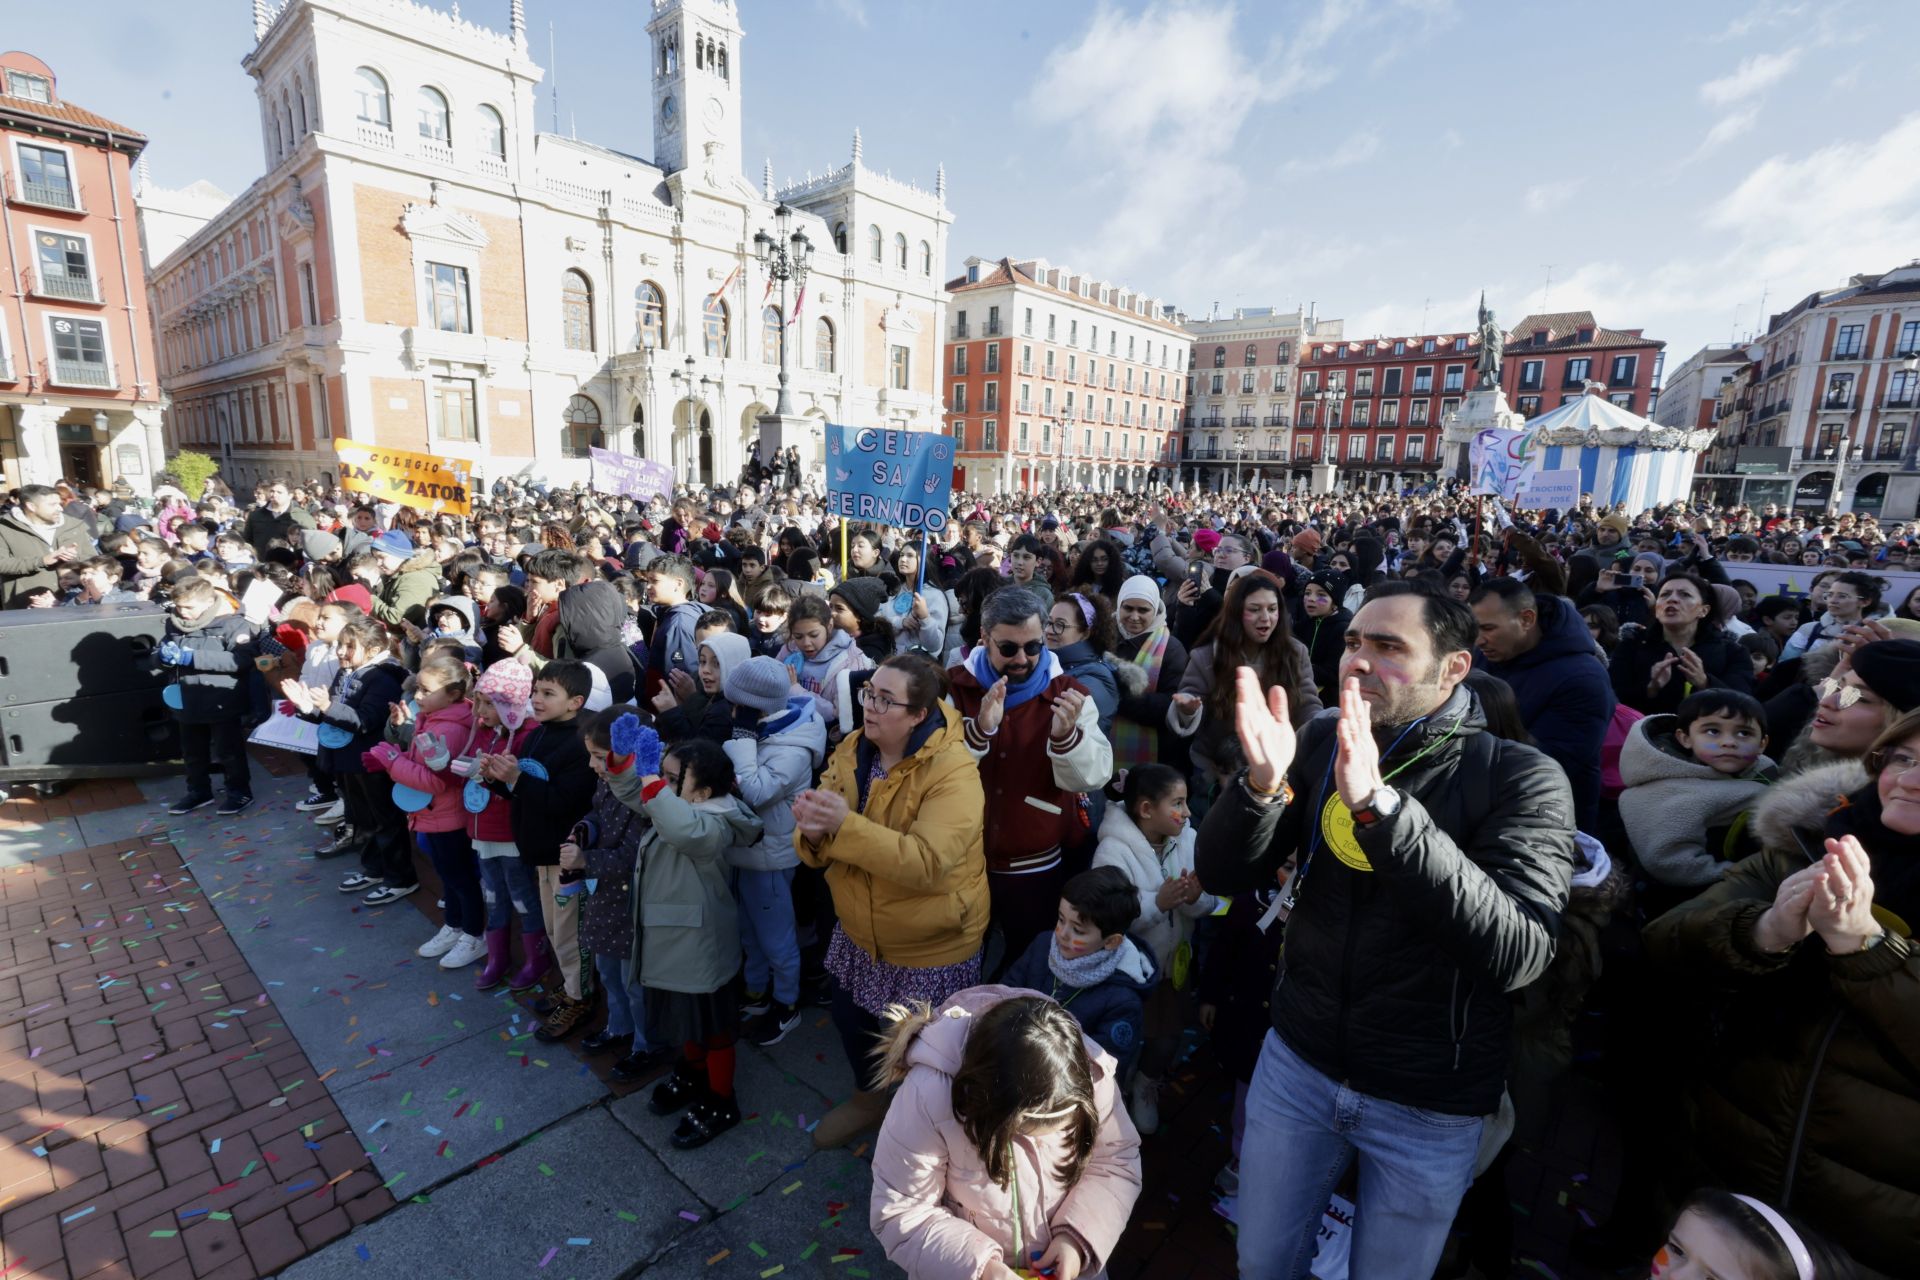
440	943
464	952
332	815
1145	1104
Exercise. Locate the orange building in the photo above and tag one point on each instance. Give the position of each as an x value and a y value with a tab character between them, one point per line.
79	392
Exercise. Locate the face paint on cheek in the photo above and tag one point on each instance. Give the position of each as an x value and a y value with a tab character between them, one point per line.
1661	1261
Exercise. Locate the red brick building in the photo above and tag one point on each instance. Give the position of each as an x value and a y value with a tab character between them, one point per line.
1550	358
1376	406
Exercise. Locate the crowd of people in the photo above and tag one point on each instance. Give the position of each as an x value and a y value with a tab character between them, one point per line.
1377	796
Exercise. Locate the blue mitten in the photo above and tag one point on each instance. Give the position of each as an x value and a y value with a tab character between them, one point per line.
647	751
175	654
624	737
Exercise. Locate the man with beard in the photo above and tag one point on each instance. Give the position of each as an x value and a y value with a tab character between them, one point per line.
1434	864
1037	737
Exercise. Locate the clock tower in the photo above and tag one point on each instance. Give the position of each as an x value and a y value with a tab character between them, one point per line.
696	86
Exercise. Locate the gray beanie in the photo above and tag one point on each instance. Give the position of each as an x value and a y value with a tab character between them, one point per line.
761	683
320	545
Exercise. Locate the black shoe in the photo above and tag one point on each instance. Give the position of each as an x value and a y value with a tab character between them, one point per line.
677	1091
771	1027
755	1003
705	1120
233	804
188	803
600	1042
344	841
817	991
636	1067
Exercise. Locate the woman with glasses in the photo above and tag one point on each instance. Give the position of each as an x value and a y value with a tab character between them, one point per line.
1808	1092
1080	631
897	824
1682	651
1864	692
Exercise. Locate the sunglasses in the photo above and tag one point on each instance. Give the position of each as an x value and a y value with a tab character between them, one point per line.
1031	648
1843	695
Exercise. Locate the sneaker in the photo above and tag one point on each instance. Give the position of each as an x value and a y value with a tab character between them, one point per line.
600	1042
1145	1104
440	943
465	950
315	802
233	804
332	815
187	804
388	893
355	881
771	1027
1227	1181
817	991
566	1016
755	1004
345	840
640	1065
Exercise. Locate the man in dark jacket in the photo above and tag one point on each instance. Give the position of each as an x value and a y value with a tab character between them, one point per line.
36	541
1434	864
211	648
1539	644
279	518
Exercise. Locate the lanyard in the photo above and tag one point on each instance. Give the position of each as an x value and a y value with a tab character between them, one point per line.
1019	1231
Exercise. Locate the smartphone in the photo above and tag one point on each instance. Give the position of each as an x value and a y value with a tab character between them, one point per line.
1197	574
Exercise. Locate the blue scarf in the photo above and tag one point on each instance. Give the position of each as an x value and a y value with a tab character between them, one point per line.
1044	673
797	710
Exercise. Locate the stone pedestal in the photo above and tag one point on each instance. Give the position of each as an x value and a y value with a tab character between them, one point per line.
776	433
1324	478
1484	409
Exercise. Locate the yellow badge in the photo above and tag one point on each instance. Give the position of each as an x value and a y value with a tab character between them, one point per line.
1336	828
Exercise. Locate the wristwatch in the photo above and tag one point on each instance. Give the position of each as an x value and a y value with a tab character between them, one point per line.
1383	803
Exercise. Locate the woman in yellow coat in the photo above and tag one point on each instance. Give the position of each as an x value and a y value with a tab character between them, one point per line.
897	823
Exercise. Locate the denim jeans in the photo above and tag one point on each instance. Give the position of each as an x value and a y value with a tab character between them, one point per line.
510	891
1302	1129
767	931
626	1002
451	853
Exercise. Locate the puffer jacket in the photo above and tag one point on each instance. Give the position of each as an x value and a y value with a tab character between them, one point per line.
591	615
935	1211
404	593
817	675
1673	805
495	822
612	850
908	872
1113	1011
1407	936
1083	663
1726	663
468	635
1122	845
441	736
773	762
1565	699
1810	1099
215	686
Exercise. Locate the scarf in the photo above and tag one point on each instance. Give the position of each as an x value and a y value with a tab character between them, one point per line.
1089	970
1044	673
797	709
1135	743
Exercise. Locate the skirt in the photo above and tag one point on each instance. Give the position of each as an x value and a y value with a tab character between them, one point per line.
676	1017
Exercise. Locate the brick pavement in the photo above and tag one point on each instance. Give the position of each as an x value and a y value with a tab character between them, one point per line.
160	1121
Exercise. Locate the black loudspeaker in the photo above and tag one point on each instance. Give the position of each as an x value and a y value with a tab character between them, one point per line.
80	693
105	735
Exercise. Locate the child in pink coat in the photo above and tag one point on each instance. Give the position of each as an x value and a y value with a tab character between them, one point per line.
427	789
975	1178
502	711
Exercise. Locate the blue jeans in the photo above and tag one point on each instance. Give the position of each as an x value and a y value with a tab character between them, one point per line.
626	1002
767	931
1302	1129
510	890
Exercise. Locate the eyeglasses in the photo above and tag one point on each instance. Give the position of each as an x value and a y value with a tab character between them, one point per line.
1897	763
1057	626
1031	648
877	701
1843	695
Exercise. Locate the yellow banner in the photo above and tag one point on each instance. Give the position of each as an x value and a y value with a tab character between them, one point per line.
418	480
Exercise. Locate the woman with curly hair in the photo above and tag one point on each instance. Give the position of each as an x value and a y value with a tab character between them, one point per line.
1250	631
1100	568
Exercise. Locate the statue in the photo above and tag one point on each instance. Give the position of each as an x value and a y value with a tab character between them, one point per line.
1492	344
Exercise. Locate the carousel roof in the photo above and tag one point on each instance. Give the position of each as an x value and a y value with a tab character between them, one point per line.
1592	419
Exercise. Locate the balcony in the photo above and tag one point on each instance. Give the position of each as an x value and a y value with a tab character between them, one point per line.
1206	455
47	195
1245	420
1847	353
1837	404
1049	374
1900	401
1888	453
959	331
1422	388
72	286
991	329
81	373
493	166
1026	368
436	150
374	135
1214	422
1272	455
1454	387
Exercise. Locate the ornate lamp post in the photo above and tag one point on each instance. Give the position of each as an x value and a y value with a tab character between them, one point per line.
689	385
787	256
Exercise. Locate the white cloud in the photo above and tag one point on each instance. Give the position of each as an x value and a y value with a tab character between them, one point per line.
1546	196
1754	75
1729	127
854	11
1351	154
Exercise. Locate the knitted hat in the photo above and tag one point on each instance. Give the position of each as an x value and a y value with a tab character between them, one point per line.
353	593
863	595
1307	542
1206	540
320	545
508	684
761	683
1618	523
394	543
1891	668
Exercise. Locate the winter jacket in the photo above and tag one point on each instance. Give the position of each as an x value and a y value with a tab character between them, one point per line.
930	635
607	916
1677	811
1216	745
1726	663
1123	846
468	635
215	687
591	615
684	913
819	673
1148	707
1084	664
404	593
774	759
1407	935
263	526
1565	699
707	715
1325	639
22	551
908	878
1818	634
1112	1011
495	822
361	700
447	734
1810	1096
545	809
935	1211
672	647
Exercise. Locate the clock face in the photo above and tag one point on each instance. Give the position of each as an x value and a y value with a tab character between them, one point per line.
669	112
716	111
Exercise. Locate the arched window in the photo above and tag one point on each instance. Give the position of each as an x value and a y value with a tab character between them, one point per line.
492	132
876	243
300	100
1251	357
715	327
650	315
823	346
723	62
374	106
1219	357
434	123
576	311
926	258
583	428
840	237
770	335
699	54
899	251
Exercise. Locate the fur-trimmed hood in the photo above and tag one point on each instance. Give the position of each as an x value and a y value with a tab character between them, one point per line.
919	1035
1800	804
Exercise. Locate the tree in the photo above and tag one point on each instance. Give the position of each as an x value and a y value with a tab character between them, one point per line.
190	470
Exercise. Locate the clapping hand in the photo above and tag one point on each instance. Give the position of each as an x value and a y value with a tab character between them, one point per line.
1066	714
1356	769
298	694
1784	924
1692	669
818	814
993	705
1662	672
683	684
1840	908
1265	731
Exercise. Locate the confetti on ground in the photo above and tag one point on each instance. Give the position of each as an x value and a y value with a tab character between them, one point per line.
579	1241
75	1217
688	1214
718	1256
552	1253
363	1253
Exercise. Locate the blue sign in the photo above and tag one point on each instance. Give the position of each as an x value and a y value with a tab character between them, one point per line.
882	476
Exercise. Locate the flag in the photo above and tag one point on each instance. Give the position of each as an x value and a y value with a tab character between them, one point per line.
724	285
769	293
798	303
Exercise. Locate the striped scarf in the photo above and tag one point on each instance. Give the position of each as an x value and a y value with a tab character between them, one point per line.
1135	743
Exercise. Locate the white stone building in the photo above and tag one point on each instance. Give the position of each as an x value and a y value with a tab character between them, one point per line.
1241	392
420	267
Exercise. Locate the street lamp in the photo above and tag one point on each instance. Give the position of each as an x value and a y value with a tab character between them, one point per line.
689	384
1330	401
786	255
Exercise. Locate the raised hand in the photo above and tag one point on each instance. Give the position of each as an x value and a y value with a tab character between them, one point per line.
1264	728
1662	672
1692	669
993	705
1840	909
1785	924
1356	769
1066	713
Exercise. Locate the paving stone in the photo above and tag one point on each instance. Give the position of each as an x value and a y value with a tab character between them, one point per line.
800	1221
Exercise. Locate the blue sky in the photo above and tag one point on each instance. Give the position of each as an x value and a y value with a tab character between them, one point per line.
1384	159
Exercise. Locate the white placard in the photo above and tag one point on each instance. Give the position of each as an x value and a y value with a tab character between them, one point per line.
289	733
1556	490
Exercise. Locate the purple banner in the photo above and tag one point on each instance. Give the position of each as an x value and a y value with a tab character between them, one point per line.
636	477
